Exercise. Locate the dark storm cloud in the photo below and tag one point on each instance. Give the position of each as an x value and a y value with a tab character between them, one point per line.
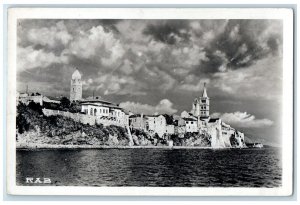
169	32
241	44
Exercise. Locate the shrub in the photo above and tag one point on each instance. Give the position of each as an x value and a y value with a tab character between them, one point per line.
35	107
22	124
65	103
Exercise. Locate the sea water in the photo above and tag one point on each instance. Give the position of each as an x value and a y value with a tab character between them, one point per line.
152	167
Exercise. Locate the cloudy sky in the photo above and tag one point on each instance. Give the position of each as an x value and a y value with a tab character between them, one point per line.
159	66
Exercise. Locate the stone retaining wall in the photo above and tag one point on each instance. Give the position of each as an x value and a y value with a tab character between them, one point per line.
83	118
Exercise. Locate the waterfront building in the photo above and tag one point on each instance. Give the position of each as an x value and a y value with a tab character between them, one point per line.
138	121
153	124
104	110
191	124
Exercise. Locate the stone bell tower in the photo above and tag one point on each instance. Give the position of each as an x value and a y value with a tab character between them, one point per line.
204	103
76	87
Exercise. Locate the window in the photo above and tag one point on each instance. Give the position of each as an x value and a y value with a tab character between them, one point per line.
95	111
91	111
100	110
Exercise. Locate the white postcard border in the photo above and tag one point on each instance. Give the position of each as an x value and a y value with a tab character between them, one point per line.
153	13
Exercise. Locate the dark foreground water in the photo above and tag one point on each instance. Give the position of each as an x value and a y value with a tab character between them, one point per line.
153	167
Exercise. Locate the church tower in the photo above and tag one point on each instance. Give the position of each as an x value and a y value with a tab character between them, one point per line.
204	103
76	87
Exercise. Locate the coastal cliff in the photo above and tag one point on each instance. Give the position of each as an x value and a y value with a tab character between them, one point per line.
34	129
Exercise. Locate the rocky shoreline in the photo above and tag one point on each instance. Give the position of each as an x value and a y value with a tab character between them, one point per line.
51	146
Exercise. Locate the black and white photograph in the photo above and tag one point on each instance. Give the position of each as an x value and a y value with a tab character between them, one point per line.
144	102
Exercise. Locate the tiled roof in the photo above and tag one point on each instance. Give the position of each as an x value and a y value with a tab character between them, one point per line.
189	119
97	101
101	104
213	119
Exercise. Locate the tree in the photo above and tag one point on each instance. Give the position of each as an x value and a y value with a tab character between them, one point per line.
65	102
75	107
22	124
35	107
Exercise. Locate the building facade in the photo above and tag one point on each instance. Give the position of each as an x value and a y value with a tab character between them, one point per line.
153	124
191	124
105	110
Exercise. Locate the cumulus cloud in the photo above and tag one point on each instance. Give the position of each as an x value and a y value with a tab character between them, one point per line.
29	58
243	120
188	56
157	55
113	84
52	36
97	43
259	81
165	106
191	86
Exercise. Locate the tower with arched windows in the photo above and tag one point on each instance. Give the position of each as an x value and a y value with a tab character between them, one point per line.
76	87
201	105
204	103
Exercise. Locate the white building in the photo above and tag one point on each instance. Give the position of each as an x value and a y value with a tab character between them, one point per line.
104	110
152	123
138	121
191	124
170	129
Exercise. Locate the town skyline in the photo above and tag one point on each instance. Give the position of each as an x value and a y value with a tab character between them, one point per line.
160	66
